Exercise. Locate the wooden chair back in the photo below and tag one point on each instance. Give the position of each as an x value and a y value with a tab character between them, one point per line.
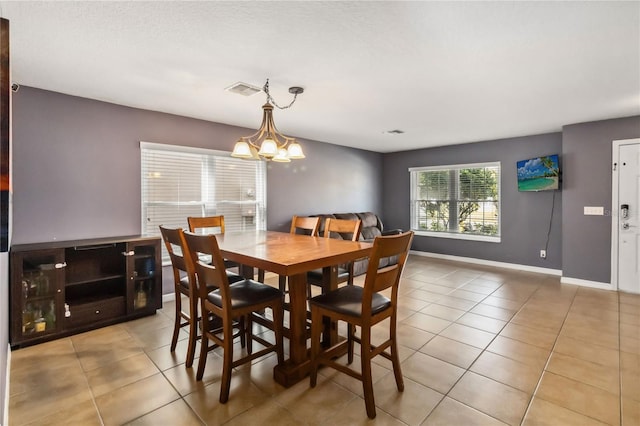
342	226
309	224
379	279
209	274
180	261
196	223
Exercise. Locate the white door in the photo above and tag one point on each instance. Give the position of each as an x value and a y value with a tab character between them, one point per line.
628	210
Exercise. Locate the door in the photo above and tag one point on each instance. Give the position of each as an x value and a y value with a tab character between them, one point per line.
628	214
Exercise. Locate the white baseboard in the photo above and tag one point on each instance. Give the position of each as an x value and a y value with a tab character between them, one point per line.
5	420
586	283
505	265
168	297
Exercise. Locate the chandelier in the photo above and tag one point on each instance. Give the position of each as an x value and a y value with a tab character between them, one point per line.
268	143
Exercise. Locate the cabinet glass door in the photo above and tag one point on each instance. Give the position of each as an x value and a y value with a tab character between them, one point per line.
40	292
143	265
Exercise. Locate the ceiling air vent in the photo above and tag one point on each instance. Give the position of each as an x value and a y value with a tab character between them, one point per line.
395	132
243	89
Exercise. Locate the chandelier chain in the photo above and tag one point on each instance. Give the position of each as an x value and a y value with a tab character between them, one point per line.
273	101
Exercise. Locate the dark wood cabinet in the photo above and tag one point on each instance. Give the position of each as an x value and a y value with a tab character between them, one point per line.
62	288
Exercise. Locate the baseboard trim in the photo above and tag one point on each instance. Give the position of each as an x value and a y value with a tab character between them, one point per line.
587	283
504	265
168	297
5	420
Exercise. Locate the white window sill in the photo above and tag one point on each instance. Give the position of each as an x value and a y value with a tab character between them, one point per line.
458	236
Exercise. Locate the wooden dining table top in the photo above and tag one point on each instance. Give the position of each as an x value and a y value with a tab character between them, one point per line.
288	254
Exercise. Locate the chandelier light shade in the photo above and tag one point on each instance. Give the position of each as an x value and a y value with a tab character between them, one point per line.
268	143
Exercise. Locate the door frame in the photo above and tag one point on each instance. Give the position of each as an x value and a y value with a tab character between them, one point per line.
615	216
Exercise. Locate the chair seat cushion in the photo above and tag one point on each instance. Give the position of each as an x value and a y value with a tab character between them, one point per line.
246	293
315	276
348	301
233	278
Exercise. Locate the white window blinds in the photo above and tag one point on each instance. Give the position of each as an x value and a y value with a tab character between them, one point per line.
178	182
461	199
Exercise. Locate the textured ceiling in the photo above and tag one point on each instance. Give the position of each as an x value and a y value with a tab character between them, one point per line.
443	72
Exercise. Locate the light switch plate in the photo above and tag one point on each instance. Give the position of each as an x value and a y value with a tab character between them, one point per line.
593	211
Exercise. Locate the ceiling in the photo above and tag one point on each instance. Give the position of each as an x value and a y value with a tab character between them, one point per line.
443	72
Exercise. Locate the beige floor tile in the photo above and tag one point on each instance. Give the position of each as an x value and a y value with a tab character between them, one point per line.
481	322
476	288
519	351
354	413
469	335
184	379
507	371
493	312
544	413
120	373
603	377
499	302
411	406
630	376
590	336
500	401
630	345
136	399
174	413
456	303
314	405
533	336
164	359
411	303
431	372
427	322
99	354
81	414
31	407
443	312
630	330
451	351
626	318
582	398
451	412
630	412
538	319
412	337
468	295
266	414
243	395
587	351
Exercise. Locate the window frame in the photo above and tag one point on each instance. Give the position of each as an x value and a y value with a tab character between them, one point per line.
413	189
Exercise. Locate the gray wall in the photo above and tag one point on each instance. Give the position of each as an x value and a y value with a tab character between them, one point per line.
524	215
77	168
587	162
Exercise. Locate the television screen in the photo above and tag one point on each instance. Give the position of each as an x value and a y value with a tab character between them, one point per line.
539	174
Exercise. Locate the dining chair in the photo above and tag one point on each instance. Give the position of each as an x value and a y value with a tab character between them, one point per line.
342	229
184	284
363	307
300	225
241	299
209	225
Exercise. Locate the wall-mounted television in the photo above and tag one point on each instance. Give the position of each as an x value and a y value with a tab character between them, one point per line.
539	174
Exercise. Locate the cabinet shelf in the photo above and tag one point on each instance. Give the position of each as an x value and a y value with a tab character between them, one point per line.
95	279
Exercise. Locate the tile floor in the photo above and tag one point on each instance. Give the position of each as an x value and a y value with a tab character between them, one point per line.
480	345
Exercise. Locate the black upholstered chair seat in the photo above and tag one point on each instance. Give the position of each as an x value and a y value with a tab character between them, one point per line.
246	293
347	300
316	275
233	278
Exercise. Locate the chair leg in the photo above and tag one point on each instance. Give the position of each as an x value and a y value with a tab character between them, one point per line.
249	330
176	324
225	382
204	350
282	283
395	358
243	331
316	330
261	276
351	329
193	337
367	381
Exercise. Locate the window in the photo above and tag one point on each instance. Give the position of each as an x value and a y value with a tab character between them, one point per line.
178	182
460	201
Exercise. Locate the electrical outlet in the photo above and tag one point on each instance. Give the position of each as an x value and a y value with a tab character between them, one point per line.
543	254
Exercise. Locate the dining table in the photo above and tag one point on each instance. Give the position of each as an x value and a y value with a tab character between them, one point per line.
293	255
